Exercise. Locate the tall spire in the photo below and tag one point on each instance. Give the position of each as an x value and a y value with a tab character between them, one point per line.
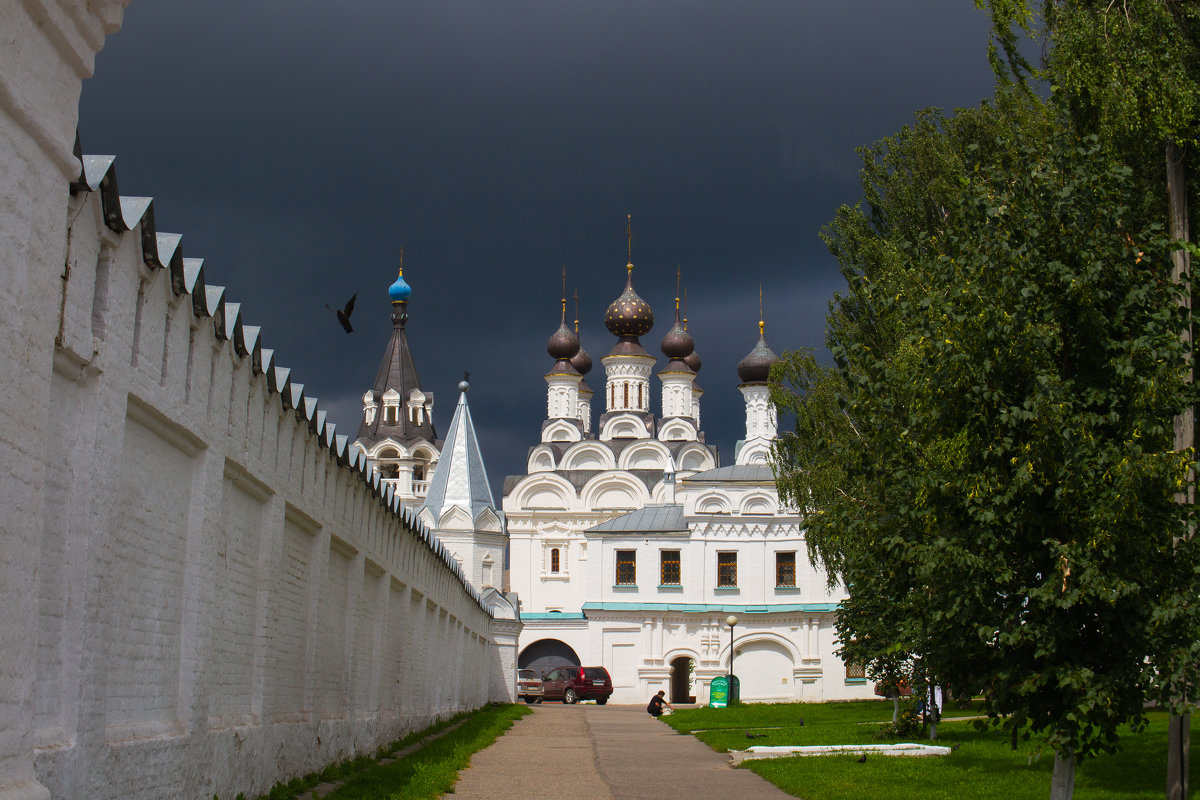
563	343
629	316
460	478
581	361
395	406
677	345
629	240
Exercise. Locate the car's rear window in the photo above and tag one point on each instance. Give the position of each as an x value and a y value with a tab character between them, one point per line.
595	673
527	675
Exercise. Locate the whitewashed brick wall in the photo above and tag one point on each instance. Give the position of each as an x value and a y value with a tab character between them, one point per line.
203	593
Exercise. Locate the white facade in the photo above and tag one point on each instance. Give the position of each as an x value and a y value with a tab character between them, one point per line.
631	549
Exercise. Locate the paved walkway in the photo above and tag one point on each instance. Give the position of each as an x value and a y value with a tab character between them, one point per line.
590	752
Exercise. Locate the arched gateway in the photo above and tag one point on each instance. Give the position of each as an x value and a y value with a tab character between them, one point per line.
546	654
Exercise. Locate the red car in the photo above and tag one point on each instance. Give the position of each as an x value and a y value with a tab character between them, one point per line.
572	684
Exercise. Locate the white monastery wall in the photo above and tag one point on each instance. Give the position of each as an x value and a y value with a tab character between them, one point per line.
204	591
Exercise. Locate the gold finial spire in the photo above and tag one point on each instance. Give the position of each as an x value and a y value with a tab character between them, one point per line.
564	294
676	288
401	261
629	240
762	326
685	309
577	311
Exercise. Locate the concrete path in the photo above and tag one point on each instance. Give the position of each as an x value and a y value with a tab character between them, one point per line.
590	752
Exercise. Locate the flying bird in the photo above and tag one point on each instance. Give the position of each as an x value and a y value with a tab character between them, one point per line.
343	314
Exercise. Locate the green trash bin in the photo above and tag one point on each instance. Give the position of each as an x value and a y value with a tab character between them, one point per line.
718	692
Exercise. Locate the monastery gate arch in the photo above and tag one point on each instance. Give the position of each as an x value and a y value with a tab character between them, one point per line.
546	654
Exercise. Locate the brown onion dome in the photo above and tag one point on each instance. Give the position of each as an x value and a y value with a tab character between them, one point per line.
564	343
677	344
582	362
692	359
756	366
629	315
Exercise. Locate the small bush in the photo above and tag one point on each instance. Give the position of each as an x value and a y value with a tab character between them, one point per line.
908	722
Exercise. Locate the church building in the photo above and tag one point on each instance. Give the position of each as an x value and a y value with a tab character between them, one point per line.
628	543
632	547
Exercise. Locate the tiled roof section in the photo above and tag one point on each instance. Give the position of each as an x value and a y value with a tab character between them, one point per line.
460	478
165	251
750	473
397	371
648	519
579	477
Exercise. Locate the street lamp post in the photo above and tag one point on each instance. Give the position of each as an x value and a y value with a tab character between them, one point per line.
731	621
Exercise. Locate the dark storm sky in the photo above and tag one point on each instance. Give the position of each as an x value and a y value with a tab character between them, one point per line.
298	145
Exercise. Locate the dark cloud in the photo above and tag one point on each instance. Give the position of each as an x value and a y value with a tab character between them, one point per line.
298	145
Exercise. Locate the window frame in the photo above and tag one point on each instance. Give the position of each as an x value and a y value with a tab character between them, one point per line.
625	559
779	562
731	559
662	568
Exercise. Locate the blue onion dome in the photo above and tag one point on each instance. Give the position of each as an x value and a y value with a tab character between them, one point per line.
756	366
400	291
629	315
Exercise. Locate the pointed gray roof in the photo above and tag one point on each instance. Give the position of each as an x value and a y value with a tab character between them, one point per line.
460	478
397	371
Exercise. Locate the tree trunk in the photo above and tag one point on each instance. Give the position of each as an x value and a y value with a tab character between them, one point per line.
895	708
1179	736
1062	783
934	712
1179	726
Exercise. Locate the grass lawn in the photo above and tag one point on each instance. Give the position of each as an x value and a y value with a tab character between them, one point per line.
433	770
984	766
425	774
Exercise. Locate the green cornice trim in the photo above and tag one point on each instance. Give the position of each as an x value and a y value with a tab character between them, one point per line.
810	608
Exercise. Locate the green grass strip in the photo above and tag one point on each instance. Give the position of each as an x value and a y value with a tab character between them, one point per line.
983	767
433	770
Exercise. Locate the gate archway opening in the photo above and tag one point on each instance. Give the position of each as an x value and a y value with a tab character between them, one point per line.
546	654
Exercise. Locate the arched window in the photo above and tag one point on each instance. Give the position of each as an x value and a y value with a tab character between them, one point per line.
626	395
554	560
639	396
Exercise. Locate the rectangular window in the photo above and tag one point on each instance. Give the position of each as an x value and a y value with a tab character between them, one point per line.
856	672
554	560
785	569
626	568
726	569
670	568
